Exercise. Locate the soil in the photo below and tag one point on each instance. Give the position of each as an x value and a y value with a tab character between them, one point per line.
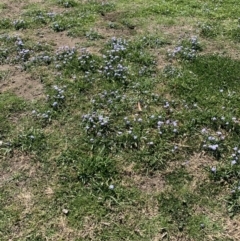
20	83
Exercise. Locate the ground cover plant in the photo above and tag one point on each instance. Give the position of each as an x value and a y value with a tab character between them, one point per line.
119	120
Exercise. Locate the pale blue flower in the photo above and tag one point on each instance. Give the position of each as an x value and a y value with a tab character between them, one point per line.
213	147
111	187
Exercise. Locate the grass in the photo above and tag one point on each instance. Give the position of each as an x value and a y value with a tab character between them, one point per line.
135	134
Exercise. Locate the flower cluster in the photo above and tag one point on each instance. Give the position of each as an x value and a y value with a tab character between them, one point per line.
44	59
51	15
58	27
171	72
86	61
151	41
64	56
109	99
58	97
98	125
117	72
45	116
118	46
92	35
186	49
235	156
40	18
19	24
56	100
113	68
212	141
65	53
22	53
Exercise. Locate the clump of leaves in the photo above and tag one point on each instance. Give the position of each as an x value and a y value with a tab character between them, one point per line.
67	3
20	24
208	30
93	35
5	23
235	34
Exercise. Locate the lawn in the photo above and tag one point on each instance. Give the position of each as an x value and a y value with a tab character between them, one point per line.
119	120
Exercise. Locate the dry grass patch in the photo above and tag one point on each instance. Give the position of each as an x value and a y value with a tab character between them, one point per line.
63	231
21	83
17	164
113	16
222	48
25	199
179	28
197	165
231	228
226	228
146	183
149	184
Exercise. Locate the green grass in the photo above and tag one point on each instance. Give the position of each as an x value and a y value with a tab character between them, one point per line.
135	135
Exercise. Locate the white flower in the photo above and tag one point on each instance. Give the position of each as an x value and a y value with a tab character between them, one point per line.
214	169
111	187
233	162
213	147
54	104
204	130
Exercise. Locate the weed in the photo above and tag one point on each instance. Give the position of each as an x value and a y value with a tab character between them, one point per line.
19	24
5	23
67	4
208	30
93	35
235	34
31	140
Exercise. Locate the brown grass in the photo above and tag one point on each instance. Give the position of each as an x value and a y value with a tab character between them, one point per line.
21	83
17	163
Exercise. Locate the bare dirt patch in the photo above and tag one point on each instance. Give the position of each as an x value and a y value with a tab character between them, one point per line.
15	7
111	26
147	184
113	16
57	40
18	163
120	32
20	83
